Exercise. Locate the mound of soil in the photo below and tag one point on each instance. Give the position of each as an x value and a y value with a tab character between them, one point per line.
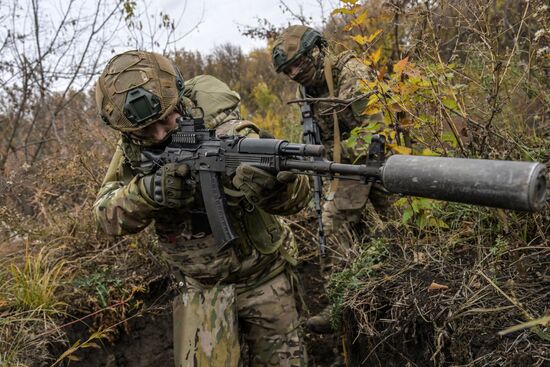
147	339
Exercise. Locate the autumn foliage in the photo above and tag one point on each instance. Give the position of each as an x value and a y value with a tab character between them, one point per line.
436	284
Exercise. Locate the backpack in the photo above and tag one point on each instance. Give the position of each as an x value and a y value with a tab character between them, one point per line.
218	102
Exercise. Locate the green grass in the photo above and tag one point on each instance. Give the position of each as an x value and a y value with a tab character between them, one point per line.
33	284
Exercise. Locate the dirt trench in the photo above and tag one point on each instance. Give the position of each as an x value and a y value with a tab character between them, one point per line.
147	341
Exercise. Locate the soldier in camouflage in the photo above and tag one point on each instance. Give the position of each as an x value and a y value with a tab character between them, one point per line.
242	293
301	53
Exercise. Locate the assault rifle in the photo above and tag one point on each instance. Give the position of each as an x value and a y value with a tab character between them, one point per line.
312	135
503	184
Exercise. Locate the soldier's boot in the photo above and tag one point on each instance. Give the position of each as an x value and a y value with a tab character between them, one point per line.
321	323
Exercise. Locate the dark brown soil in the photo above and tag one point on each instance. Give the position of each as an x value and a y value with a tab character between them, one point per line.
147	340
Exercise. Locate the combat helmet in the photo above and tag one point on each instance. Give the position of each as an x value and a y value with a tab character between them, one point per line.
293	42
136	89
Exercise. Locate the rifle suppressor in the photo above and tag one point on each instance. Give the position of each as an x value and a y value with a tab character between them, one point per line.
501	184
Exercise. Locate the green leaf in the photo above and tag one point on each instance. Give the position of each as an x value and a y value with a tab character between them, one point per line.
414	205
372	127
450	138
401	202
450	103
351	141
428	152
423	203
422	221
407	215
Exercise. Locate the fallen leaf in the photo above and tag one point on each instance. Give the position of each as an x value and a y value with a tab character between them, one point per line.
436	286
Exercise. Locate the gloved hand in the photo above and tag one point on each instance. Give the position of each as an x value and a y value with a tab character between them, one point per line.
169	186
258	185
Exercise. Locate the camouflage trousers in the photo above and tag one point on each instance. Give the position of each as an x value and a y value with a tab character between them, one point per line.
210	323
344	205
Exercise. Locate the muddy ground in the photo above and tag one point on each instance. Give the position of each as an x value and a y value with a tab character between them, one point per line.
147	339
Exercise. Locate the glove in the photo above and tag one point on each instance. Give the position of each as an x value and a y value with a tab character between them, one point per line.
169	186
258	185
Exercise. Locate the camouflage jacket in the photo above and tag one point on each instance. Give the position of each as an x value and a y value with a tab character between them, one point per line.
185	237
349	75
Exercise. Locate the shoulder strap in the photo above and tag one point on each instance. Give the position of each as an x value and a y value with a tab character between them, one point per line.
337	151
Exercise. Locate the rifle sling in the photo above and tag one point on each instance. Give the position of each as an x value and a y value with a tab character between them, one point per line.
337	149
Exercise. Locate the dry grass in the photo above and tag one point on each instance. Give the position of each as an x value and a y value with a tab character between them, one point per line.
406	296
440	297
57	274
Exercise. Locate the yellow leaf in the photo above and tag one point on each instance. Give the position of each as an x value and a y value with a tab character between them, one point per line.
400	66
373	36
368	85
360	39
399	149
375	56
372	110
407	89
373	99
347	11
383	87
360	18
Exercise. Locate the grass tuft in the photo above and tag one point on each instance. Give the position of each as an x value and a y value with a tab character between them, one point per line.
34	283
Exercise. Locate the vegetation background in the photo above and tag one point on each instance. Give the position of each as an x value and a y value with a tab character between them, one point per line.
439	284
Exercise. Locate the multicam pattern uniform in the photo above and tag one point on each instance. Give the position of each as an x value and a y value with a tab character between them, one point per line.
349	74
247	280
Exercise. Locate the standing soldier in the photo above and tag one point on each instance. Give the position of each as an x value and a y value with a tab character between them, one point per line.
142	94
301	53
